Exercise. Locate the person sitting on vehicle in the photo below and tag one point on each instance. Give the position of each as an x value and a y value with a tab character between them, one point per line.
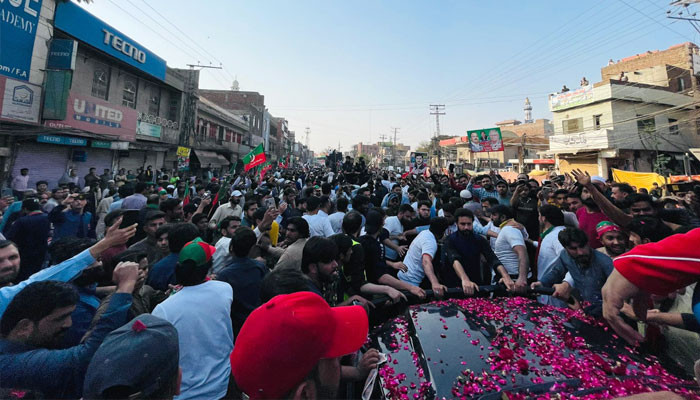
464	250
588	269
420	255
290	347
510	247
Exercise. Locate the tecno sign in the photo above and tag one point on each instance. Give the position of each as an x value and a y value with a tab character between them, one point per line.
125	47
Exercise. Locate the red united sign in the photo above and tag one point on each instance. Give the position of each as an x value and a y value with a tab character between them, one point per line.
543	161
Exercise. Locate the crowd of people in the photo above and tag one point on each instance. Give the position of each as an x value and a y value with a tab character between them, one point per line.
161	284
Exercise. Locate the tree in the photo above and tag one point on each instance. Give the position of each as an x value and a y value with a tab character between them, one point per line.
424	147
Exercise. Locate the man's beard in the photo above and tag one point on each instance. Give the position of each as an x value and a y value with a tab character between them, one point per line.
466	233
488	187
583	261
8	279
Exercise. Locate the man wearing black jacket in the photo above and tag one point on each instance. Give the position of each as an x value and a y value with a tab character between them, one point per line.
464	250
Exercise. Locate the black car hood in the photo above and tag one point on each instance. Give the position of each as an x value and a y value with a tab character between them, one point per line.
482	347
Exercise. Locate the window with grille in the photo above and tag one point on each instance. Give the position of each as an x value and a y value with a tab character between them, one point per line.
647	126
673	126
129	93
154	102
173	107
100	81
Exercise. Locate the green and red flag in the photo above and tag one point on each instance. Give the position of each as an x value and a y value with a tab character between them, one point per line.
264	168
254	158
186	196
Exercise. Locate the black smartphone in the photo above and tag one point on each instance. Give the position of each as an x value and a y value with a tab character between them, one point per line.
452	168
129	217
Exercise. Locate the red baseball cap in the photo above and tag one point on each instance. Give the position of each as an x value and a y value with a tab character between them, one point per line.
282	340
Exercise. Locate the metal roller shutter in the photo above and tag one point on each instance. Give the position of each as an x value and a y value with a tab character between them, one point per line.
97	158
135	161
45	162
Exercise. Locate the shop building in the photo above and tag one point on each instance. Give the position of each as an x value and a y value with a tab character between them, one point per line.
110	103
623	125
24	49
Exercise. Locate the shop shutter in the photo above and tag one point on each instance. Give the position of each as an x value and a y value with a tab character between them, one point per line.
45	162
135	161
97	158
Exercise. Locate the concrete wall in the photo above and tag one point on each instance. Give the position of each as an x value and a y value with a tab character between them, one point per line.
44	33
678	55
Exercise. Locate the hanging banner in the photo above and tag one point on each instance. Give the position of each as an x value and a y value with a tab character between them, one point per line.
485	140
183	158
571	98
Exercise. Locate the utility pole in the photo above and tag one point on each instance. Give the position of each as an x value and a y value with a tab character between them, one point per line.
393	148
437	110
307	131
190	109
521	154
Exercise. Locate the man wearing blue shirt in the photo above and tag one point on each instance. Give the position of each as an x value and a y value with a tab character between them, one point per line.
71	219
64	272
37	318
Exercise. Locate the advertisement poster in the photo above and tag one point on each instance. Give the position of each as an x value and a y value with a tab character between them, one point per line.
418	165
484	140
183	158
98	116
20	101
18	27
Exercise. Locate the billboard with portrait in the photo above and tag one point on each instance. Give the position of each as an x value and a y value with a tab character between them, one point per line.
484	140
418	163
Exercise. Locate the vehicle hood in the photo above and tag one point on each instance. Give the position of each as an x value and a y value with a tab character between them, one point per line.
484	347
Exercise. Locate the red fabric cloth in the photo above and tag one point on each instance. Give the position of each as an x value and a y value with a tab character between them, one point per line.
662	267
587	223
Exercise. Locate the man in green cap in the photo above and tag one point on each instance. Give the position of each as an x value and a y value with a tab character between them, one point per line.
201	313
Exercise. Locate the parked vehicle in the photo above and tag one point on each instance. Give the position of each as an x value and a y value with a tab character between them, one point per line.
512	348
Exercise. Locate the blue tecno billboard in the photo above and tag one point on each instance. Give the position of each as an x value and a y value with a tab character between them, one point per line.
77	22
18	24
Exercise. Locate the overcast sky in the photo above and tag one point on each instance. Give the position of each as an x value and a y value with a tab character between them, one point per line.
352	70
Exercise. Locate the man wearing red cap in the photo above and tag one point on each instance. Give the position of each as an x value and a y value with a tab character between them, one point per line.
290	347
201	313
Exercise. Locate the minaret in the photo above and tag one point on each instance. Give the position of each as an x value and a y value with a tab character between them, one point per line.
528	111
235	86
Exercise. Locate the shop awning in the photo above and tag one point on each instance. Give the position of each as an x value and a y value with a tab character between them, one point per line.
696	152
207	158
